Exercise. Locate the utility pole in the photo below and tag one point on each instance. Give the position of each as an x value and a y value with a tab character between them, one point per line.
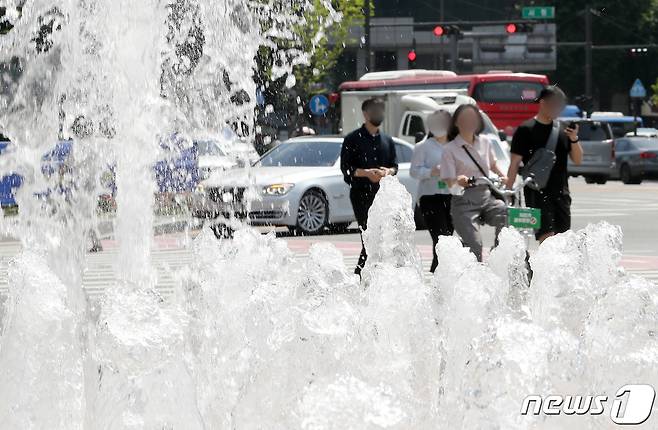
366	33
588	51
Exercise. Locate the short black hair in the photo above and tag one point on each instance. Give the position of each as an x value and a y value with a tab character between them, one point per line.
453	132
367	104
550	91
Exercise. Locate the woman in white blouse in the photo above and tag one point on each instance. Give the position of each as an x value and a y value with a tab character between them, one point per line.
470	154
433	191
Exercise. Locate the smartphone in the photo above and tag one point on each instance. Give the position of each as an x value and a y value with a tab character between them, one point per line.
572	125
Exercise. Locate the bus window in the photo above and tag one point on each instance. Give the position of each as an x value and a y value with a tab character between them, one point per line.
507	92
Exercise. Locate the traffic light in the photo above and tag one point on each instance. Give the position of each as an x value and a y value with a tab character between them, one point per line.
411	56
446	30
513	28
333	98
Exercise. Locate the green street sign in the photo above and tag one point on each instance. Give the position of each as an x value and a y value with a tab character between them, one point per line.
524	218
538	12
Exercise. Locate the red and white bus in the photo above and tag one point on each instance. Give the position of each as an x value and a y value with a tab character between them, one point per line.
508	98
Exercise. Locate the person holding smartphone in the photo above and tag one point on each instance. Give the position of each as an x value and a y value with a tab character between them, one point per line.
554	199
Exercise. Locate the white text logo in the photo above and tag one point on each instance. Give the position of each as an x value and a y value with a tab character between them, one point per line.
631	405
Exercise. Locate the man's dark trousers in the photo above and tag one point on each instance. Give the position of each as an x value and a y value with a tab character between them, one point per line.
362	199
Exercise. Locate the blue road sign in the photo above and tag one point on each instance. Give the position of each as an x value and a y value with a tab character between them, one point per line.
260	98
319	105
637	90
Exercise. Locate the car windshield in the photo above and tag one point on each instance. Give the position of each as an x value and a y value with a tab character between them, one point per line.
489	127
501	155
302	154
208	147
593	132
620	129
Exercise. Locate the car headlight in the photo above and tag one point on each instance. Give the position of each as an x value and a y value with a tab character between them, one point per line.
277	189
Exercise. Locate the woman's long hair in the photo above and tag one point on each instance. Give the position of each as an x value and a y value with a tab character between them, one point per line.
453	132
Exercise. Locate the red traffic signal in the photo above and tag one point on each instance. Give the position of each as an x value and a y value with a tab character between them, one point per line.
333	98
411	56
447	30
513	28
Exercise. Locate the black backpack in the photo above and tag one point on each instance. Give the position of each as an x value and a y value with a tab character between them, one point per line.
540	165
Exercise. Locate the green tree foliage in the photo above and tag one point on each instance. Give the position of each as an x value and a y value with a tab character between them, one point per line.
327	44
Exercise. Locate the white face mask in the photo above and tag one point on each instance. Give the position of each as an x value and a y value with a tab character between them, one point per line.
439	131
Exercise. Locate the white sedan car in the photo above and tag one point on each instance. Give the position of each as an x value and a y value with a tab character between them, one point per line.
297	184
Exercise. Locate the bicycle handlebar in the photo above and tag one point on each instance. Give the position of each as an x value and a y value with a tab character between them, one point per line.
498	187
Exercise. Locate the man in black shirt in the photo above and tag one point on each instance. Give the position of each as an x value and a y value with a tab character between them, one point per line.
366	157
553	200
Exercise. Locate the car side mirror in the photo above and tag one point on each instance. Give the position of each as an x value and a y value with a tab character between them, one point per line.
502	135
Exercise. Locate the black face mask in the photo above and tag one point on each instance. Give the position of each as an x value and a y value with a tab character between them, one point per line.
376	120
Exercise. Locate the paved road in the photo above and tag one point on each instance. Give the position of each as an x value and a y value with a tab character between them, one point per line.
631	206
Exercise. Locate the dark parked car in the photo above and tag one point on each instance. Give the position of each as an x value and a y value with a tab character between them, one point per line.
636	159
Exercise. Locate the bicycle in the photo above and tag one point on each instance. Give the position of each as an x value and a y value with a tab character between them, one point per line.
524	219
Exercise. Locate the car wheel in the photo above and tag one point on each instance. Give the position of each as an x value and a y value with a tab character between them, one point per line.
627	175
313	212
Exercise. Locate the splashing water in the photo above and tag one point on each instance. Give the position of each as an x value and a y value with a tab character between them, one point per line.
255	337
